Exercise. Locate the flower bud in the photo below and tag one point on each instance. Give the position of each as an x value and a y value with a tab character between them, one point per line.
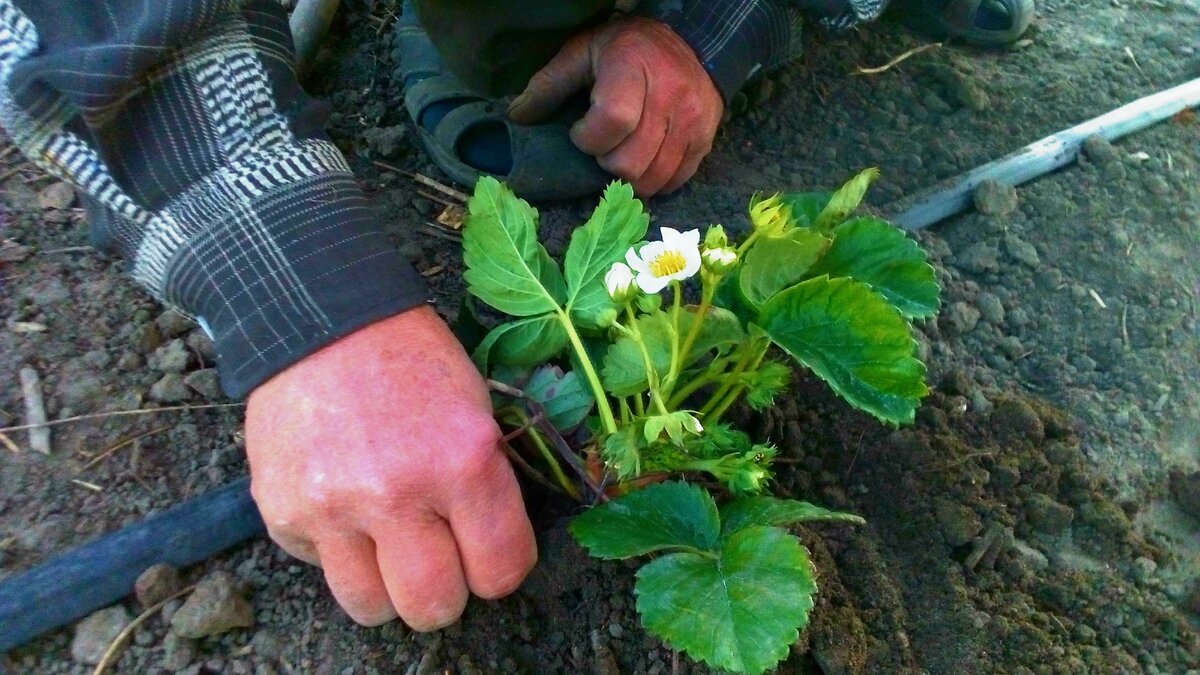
620	283
719	260
770	217
715	237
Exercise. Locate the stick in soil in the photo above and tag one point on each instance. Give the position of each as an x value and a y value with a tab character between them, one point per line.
898	60
121	413
35	411
114	648
107	452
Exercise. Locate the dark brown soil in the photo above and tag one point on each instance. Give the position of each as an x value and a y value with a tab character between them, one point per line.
1040	517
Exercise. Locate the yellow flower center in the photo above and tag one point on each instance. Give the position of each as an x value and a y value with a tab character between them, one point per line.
667	263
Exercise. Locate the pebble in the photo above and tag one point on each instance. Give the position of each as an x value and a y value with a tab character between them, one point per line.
203	345
1022	251
215	607
385	142
156	584
959	523
990	308
58	196
205	382
94	634
172	324
606	662
979	258
172	357
1099	150
1014	419
179	652
993	198
970	95
145	338
1144	569
50	293
170	388
962	316
1046	515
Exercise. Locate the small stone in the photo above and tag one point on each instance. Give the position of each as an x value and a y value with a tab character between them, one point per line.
172	324
179	652
1014	419
385	141
94	634
1046	515
990	308
1029	555
58	196
145	338
1022	251
1099	150
81	391
172	357
50	293
993	198
1158	186
935	103
970	95
959	523
215	607
156	584
1144	569
962	316
979	258
170	389
130	362
199	342
205	382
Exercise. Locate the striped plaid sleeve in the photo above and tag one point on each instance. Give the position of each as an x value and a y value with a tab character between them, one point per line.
737	39
204	164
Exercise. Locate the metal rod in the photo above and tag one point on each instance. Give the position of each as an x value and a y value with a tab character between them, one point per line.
1044	156
309	22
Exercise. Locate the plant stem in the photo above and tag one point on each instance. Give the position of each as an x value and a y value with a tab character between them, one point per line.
673	371
639	406
589	371
741	250
706	296
734	393
690	388
626	413
555	467
651	374
753	352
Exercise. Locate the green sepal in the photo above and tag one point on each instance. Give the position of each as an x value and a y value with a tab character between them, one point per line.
525	342
764	384
739	609
875	252
618	222
506	267
845	200
622	452
676	425
851	337
770	511
671	515
772	265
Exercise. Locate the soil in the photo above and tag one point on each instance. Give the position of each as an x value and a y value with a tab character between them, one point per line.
1040	517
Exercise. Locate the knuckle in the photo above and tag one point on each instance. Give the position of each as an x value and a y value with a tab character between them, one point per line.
621	115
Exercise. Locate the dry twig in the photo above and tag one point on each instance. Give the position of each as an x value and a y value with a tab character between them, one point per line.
107	452
121	413
426	181
114	648
35	411
898	60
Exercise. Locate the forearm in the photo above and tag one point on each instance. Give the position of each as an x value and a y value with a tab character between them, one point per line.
202	161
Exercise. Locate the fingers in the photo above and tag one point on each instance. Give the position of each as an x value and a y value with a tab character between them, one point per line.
692	158
422	573
494	536
352	573
617	103
568	72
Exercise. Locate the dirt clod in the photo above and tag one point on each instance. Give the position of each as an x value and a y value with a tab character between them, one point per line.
993	198
1048	516
215	607
156	584
94	634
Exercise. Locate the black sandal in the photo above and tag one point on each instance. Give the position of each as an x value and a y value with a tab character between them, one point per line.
984	23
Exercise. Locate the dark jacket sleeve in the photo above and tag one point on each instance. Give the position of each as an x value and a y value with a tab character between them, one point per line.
204	164
737	39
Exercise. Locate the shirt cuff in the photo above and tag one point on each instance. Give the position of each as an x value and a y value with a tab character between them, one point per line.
733	39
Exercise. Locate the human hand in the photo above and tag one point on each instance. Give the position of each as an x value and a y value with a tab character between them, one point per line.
377	458
654	109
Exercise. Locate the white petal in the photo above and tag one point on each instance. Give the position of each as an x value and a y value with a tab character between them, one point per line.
670	237
691	263
650	283
691	237
635	262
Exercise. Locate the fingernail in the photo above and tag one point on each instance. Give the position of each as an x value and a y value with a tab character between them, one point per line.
518	101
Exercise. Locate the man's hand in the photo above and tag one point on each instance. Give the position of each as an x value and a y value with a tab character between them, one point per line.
654	111
377	458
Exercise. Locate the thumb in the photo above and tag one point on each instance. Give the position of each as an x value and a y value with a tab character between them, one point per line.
568	72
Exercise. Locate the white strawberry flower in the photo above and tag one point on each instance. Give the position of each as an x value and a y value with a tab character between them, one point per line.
675	258
720	259
620	283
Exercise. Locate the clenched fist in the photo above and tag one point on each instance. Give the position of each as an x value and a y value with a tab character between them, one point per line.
377	459
654	109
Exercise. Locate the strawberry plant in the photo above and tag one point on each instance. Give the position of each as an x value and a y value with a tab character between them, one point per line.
615	395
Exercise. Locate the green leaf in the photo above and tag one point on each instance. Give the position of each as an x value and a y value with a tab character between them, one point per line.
670	515
624	372
525	342
845	200
874	252
622	452
506	267
772	512
806	207
740	610
618	222
853	339
564	396
772	265
729	296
